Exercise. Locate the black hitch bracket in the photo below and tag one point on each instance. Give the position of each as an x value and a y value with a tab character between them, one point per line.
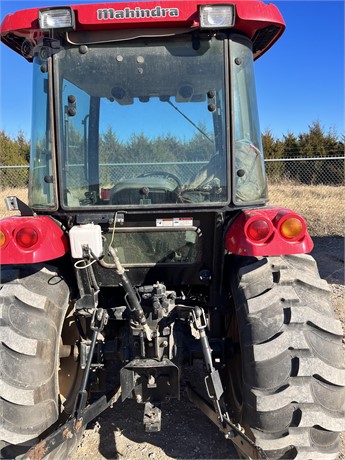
72	427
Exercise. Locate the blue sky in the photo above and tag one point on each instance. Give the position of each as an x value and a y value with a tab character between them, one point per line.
299	80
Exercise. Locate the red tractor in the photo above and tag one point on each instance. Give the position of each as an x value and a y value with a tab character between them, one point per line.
147	244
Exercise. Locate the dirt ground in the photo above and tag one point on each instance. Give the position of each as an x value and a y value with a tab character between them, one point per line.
186	433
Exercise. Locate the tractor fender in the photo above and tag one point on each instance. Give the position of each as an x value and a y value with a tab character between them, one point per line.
268	231
31	239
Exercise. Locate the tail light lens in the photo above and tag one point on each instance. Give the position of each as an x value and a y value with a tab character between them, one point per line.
258	230
26	237
292	228
2	239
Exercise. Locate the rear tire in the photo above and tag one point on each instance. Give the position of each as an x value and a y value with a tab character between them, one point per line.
34	301
290	344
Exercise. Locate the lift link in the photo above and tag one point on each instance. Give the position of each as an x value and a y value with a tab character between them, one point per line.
98	321
218	414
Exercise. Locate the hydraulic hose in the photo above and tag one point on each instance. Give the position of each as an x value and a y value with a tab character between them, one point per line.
133	301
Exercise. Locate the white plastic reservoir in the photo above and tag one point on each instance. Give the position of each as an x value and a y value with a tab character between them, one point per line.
85	235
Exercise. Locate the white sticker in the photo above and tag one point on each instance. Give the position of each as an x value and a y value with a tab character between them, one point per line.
175	222
182	221
164	222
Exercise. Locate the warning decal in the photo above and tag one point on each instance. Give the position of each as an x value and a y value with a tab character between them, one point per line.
175	222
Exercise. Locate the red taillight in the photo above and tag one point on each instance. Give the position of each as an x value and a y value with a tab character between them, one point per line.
258	230
26	237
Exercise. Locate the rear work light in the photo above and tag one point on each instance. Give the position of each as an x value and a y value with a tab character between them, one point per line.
56	18
217	16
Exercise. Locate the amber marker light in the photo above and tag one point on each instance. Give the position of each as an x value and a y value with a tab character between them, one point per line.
292	228
2	239
26	237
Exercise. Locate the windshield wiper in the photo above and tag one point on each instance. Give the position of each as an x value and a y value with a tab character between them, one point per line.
190	121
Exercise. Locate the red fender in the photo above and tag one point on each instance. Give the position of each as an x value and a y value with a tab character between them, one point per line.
27	240
263	232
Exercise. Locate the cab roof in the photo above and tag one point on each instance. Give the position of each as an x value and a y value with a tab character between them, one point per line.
260	22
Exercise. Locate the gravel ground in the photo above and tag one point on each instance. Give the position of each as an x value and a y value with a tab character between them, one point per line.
186	433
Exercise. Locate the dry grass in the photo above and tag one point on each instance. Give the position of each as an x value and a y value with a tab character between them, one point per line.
322	206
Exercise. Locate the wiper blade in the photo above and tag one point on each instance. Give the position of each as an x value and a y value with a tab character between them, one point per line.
190	121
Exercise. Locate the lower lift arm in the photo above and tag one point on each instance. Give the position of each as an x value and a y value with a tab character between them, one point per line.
218	413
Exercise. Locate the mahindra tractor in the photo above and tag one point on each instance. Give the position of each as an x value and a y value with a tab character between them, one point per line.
147	263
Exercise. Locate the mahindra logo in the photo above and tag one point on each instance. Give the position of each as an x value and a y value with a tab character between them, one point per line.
136	13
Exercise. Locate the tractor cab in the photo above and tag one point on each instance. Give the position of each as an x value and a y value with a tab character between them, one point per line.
147	246
145	107
143	122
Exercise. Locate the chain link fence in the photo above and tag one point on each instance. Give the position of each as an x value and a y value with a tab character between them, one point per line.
312	187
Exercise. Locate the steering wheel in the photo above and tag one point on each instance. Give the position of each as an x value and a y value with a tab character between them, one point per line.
164	174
